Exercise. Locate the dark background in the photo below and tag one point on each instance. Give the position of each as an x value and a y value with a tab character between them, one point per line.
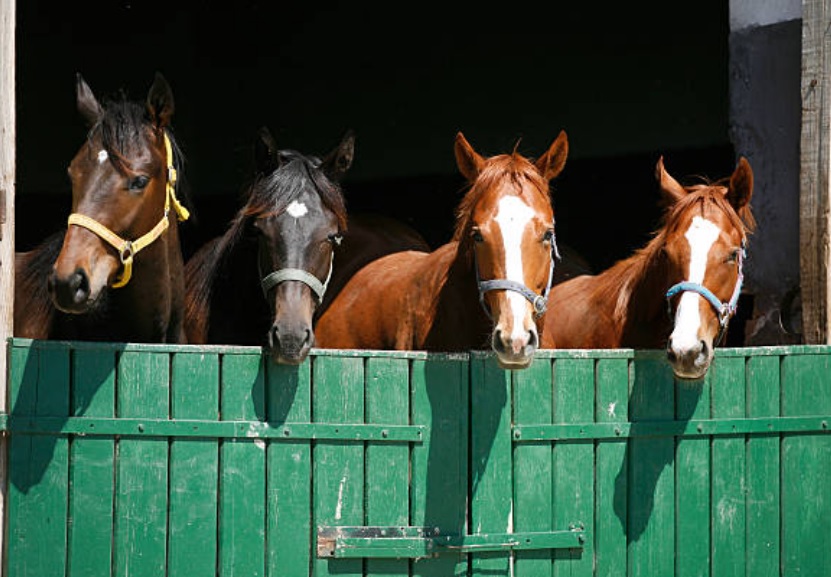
627	81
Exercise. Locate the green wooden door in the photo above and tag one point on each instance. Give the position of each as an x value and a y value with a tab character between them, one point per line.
149	460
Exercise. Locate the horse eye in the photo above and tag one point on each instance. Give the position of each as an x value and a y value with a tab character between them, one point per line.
335	239
733	257
476	235
548	236
138	183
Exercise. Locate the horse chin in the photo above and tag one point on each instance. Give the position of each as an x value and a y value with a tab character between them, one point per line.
292	358
691	372
514	363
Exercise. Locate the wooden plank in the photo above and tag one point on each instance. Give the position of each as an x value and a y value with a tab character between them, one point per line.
651	475
611	487
38	467
92	464
387	465
692	482
532	402
763	466
728	504
338	466
491	498
242	474
140	532
574	463
806	469
194	468
289	484
814	205
440	401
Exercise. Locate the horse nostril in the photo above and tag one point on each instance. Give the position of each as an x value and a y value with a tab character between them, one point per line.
532	338
705	349
274	337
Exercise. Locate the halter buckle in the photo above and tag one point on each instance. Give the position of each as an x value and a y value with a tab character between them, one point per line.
126	252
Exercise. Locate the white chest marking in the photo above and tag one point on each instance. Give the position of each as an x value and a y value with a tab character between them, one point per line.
297	209
701	235
512	217
102	156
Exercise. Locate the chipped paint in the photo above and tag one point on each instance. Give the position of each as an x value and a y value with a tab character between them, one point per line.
339	507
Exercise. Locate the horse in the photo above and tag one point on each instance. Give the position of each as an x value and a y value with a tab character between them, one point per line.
116	272
283	254
679	291
485	288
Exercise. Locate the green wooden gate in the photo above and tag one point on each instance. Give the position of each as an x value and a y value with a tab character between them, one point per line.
147	460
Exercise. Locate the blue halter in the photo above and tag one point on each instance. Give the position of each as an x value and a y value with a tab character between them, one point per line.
724	310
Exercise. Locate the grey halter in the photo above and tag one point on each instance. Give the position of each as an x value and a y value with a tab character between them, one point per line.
295	274
539	302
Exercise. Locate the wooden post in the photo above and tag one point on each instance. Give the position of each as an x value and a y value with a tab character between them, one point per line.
814	205
7	179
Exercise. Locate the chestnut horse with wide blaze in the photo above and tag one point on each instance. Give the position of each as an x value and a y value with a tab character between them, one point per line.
487	287
678	292
116	274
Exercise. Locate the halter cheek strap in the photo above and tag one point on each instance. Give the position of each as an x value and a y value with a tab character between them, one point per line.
724	310
539	302
127	249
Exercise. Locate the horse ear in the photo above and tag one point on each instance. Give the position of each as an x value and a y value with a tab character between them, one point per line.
468	160
340	159
266	158
160	102
553	161
670	187
87	104
741	185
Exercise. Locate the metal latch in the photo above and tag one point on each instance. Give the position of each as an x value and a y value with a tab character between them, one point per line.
418	542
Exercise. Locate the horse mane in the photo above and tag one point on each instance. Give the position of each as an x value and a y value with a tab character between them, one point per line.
635	269
267	195
31	270
513	168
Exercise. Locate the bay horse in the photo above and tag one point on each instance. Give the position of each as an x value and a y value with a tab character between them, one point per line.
283	255
486	288
116	272
679	291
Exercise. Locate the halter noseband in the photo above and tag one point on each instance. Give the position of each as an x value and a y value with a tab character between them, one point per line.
539	302
724	310
127	249
296	274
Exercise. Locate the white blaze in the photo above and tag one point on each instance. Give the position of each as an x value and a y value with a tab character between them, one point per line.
512	217
297	209
701	235
102	157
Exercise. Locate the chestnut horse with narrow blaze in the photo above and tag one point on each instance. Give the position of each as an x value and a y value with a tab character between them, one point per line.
678	292
486	288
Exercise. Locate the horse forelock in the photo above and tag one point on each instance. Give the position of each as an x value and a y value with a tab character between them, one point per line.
498	170
272	193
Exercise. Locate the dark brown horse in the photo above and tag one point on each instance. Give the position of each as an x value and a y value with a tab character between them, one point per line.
284	254
116	274
693	264
485	288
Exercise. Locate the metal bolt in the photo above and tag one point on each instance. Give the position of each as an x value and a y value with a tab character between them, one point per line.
141	428
385	433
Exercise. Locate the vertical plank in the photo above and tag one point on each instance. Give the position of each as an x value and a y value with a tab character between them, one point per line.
289	530
651	506
242	475
763	466
574	462
8	136
338	466
387	465
728	471
692	480
815	149
140	535
532	403
491	499
806	468
440	401
92	464
38	465
612	406
194	466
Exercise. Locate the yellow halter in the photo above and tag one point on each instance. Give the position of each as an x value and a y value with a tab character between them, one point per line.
128	249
